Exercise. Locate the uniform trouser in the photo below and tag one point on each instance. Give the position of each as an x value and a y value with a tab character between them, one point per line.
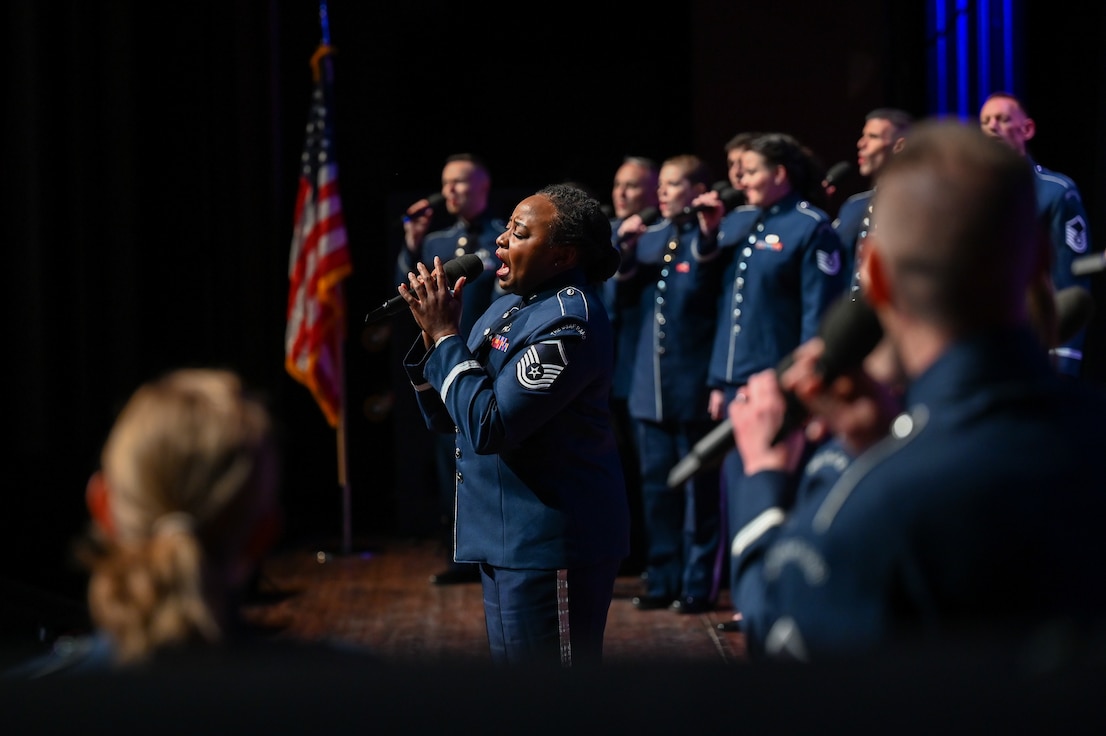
548	617
626	436
733	471
683	524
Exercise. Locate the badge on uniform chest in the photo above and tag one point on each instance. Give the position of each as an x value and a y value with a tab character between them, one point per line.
770	242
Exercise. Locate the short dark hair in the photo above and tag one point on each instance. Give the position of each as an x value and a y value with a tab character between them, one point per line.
783	149
472	158
899	118
695	169
581	223
643	161
980	245
1001	95
741	140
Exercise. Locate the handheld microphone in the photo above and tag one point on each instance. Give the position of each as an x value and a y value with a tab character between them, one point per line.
730	198
850	330
469	265
435	200
837	172
648	216
707	453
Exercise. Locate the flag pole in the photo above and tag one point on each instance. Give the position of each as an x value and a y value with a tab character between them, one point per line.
343	479
324	22
339	339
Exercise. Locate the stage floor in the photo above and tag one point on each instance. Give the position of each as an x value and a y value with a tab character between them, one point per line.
378	596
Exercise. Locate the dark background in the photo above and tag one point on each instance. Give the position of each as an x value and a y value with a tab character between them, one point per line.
151	155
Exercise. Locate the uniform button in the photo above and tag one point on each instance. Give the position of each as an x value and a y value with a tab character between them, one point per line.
660	301
902	426
736	329
739	298
457	453
760	227
460	478
660	350
668	257
462	241
747	252
660	334
661	319
743	266
740	281
736	313
661	286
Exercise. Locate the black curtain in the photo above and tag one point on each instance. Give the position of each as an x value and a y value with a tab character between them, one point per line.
151	166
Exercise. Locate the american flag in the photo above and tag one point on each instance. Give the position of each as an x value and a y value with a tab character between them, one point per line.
320	259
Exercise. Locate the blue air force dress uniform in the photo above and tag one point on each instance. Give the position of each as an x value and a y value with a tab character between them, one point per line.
766	500
853	221
978	516
677	288
1064	218
783	267
539	480
625	315
460	238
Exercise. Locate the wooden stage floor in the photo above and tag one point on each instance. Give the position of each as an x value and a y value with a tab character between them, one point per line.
378	596
430	672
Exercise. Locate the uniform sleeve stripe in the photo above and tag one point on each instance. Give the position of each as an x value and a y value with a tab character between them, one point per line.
756	528
465	367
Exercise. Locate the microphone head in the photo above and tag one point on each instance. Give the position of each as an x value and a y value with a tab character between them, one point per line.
1074	309
469	265
650	215
731	198
850	330
433	202
838	171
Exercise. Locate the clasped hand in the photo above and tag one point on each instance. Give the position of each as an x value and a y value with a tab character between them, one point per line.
435	305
